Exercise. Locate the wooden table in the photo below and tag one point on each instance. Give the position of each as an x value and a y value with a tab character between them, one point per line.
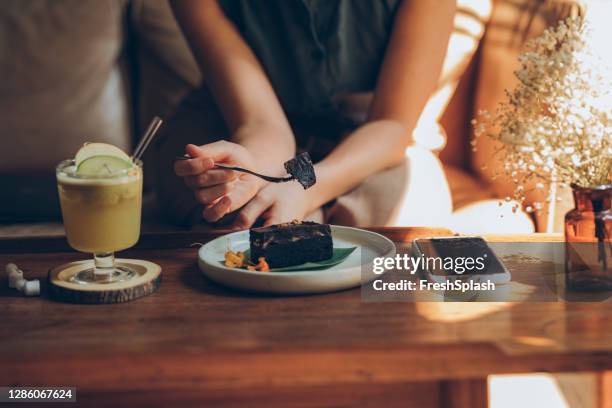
194	342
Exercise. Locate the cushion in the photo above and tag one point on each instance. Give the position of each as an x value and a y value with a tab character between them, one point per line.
62	85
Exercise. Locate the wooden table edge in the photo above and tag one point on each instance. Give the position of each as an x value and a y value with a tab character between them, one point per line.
184	239
231	369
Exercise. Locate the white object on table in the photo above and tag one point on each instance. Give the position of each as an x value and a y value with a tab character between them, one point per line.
17	281
15	275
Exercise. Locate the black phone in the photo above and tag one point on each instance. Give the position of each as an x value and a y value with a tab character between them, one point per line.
449	257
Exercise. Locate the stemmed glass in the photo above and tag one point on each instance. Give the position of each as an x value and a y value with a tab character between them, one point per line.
102	209
101	215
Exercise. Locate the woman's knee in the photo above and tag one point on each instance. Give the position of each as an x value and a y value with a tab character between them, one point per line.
413	193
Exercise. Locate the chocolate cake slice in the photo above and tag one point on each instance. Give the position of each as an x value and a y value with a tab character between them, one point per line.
291	243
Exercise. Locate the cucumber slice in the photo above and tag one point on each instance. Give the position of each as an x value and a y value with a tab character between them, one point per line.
102	166
100	149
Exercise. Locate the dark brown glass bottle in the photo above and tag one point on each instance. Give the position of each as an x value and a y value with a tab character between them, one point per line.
588	240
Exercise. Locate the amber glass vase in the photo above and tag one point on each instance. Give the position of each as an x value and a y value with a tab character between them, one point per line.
588	240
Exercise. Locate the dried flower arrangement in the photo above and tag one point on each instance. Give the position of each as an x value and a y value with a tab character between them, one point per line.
556	125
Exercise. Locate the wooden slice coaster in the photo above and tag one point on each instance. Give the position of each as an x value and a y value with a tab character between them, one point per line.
61	286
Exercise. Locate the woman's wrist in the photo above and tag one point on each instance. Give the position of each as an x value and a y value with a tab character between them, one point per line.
269	146
323	190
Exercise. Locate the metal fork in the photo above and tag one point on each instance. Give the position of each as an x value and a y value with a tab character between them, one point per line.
262	176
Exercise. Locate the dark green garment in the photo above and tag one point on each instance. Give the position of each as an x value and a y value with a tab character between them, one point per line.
314	49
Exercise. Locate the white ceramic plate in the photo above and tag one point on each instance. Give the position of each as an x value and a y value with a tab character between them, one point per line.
347	274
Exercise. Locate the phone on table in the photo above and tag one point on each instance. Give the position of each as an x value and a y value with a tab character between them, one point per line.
459	257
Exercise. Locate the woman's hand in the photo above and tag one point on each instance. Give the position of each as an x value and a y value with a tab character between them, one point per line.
276	203
220	191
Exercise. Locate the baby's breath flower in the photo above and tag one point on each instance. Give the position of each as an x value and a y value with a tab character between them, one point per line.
556	124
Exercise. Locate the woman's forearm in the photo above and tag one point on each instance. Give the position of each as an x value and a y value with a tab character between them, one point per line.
270	144
366	151
237	82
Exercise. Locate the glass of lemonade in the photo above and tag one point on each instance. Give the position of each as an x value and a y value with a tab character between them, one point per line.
101	200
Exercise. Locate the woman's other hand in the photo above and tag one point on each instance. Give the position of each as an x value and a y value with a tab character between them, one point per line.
276	203
220	191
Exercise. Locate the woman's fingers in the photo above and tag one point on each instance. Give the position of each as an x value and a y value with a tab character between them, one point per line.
210	194
271	217
210	178
218	151
203	157
244	188
234	194
221	191
193	167
217	210
254	208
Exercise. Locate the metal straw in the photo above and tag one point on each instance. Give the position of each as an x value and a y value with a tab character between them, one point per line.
147	137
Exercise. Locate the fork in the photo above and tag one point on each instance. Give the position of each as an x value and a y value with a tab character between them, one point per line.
262	176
